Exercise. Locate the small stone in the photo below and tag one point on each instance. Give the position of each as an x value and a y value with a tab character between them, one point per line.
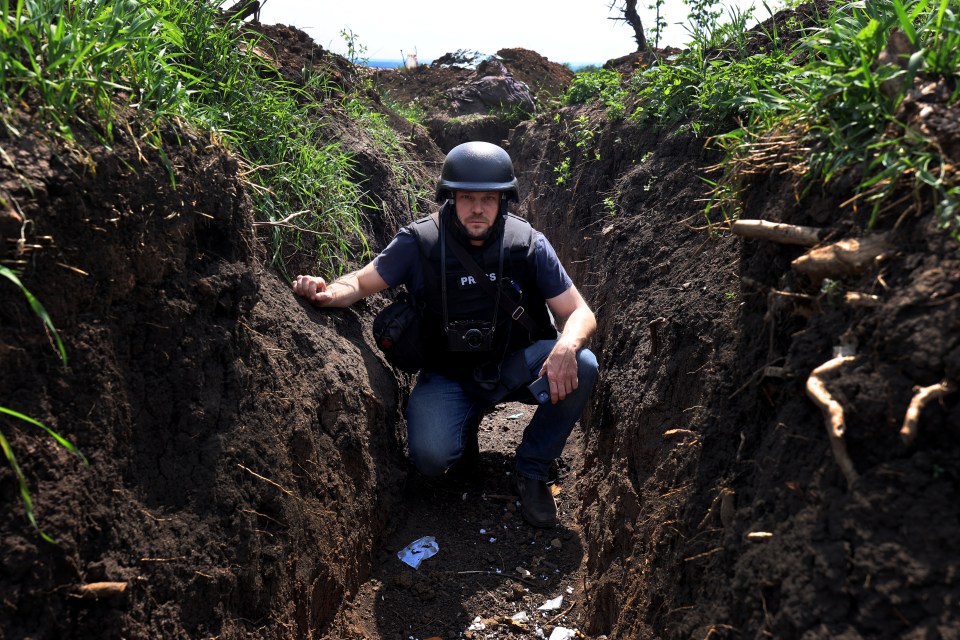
556	544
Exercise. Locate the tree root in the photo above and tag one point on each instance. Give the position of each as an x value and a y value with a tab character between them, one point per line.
922	397
832	414
778	232
842	259
101	591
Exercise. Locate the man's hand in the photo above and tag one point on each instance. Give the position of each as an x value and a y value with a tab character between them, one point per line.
560	368
579	324
313	289
343	291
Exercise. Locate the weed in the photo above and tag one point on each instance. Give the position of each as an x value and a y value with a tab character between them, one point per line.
839	110
356	52
563	172
77	64
610	207
603	85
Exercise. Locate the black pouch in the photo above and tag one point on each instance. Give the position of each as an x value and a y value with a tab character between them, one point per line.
495	382
397	333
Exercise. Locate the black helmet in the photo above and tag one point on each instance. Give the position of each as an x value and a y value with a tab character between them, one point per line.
477	166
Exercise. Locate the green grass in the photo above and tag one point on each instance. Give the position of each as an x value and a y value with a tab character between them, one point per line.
825	106
80	64
839	111
8	453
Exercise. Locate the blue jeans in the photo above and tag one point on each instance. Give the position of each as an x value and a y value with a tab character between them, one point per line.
439	411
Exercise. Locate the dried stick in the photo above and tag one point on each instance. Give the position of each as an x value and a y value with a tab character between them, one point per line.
777	232
832	414
921	397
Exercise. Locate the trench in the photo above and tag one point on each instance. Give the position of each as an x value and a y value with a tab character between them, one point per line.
660	355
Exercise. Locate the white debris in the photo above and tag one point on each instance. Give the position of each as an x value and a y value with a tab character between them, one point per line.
551	605
520	616
477	624
562	633
418	550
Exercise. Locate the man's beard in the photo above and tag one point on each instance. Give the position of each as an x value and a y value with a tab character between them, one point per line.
463	234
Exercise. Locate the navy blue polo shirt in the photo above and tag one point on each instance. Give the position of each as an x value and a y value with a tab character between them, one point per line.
400	264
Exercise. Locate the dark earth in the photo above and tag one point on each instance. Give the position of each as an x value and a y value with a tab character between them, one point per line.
247	476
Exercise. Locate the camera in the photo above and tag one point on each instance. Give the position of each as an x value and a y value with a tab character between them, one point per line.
469	335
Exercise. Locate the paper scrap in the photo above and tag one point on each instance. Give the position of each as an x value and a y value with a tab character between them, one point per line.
551	605
418	550
562	633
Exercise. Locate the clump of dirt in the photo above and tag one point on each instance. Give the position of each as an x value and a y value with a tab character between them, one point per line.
489	85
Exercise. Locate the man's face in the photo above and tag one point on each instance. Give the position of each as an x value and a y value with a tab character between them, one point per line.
477	211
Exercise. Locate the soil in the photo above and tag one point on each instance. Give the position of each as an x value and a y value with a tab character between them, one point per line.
247	476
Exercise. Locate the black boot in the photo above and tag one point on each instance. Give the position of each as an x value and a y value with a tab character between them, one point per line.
537	505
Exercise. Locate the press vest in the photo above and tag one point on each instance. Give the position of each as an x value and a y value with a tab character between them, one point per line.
466	300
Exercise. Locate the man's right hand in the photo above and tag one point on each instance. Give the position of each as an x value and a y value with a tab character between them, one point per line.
313	289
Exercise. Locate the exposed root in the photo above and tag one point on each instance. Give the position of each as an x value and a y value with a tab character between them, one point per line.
832	414
267	480
844	258
857	299
101	590
922	397
778	232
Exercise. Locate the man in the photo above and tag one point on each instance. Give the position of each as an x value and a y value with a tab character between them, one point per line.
485	341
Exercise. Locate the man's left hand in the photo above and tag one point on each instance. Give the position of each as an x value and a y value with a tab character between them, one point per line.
561	371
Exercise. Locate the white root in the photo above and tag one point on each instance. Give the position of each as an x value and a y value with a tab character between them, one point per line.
777	232
922	397
832	414
100	590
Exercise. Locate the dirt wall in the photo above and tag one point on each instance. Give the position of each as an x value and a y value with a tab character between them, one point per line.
243	448
701	432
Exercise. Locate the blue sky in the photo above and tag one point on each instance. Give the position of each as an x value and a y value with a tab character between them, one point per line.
574	31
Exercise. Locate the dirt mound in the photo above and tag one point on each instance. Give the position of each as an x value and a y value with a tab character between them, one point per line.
490	109
210	468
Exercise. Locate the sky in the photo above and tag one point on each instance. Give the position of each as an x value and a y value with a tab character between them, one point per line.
563	31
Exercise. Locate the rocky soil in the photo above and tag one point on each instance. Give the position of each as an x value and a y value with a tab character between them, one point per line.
246	473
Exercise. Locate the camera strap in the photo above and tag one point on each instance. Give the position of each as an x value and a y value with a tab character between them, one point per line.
507	302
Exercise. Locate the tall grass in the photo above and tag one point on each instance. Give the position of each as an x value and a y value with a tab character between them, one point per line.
826	105
81	63
840	110
711	85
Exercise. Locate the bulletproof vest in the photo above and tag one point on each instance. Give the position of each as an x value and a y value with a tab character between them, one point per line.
466	300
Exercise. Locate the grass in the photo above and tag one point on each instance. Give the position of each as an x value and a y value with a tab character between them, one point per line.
8	453
81	64
840	111
828	105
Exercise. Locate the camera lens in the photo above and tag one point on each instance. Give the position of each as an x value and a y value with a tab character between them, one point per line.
473	338
543	396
